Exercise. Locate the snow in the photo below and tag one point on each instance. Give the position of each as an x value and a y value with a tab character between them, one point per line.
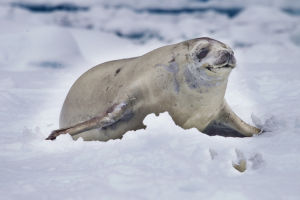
43	53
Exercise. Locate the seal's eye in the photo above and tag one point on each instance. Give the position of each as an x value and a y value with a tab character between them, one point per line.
202	53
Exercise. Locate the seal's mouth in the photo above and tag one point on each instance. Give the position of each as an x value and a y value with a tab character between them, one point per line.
214	68
228	65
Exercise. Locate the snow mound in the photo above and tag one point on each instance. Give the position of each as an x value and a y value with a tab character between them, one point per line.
46	47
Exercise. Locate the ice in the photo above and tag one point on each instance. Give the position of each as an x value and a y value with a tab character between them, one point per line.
45	49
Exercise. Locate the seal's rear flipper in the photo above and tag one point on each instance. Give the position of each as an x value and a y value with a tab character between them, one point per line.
228	123
113	114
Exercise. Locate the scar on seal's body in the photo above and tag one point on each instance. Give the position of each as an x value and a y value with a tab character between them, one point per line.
117	71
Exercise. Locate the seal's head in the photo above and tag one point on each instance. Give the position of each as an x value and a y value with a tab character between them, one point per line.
212	56
210	63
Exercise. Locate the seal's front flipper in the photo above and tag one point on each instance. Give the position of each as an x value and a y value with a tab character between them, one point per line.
219	128
229	124
112	115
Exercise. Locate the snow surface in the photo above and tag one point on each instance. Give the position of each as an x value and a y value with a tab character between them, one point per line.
44	47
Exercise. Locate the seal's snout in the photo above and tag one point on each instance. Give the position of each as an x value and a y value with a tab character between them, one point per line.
226	58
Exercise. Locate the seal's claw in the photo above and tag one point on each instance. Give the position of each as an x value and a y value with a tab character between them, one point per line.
55	134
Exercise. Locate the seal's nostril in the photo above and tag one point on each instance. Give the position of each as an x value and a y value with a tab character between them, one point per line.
227	55
224	57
